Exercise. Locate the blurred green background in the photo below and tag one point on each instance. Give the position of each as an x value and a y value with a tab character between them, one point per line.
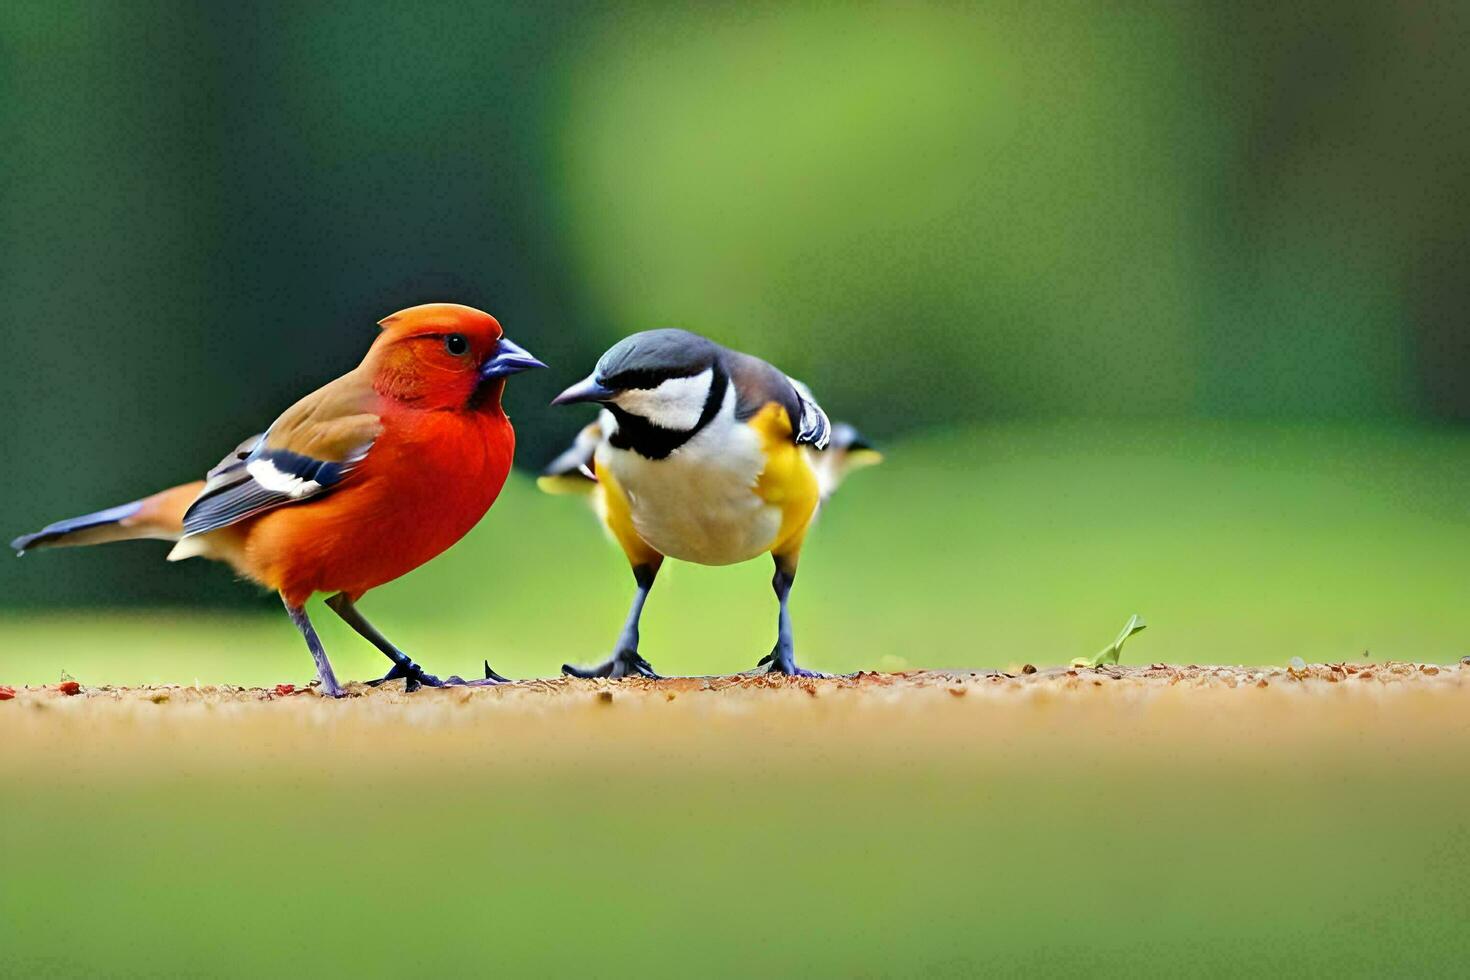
1154	307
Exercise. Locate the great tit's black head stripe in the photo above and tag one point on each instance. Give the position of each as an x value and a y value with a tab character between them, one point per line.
658	361
656	442
719	384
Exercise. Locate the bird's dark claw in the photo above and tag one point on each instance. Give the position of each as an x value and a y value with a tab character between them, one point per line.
491	679
412	674
416	678
624	663
785	664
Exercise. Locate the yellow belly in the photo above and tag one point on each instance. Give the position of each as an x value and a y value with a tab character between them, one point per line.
725	497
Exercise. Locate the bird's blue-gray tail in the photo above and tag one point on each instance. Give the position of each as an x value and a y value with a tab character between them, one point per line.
159	516
87	529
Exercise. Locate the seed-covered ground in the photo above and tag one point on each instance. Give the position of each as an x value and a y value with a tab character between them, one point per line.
930	714
865	689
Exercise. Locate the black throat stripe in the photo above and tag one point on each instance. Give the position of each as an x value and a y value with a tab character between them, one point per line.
654	441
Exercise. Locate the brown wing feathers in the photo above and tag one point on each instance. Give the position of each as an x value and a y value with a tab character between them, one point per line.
312	447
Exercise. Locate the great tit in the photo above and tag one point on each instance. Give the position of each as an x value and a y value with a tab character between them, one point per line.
707	455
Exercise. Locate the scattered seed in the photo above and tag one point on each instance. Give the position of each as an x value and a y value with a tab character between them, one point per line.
6	693
284	689
69	688
1029	669
605	697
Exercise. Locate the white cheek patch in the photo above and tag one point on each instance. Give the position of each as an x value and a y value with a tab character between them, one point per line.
265	473
676	404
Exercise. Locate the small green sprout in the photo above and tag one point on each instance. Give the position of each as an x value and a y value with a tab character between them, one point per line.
1110	654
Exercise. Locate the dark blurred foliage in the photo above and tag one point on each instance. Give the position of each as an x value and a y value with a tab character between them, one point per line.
934	214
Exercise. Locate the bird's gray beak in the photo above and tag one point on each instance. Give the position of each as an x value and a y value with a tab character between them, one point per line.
586	390
510	358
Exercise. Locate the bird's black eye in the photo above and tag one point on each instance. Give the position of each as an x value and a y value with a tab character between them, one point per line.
456	344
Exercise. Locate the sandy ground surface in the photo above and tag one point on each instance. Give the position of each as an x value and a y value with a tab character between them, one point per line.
1029	682
1147	711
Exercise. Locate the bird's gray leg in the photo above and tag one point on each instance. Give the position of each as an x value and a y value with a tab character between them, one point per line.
330	687
625	661
403	665
628	638
782	658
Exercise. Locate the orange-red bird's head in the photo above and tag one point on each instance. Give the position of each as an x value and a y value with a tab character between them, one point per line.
443	355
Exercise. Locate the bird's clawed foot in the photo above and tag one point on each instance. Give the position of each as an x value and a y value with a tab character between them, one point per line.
415	678
412	673
624	663
783	662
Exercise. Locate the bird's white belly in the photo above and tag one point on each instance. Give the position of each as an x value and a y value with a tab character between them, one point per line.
699	504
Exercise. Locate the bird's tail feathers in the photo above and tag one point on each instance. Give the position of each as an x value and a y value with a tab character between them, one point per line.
848	450
160	516
574	470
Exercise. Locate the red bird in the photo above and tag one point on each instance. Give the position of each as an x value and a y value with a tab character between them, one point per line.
358	483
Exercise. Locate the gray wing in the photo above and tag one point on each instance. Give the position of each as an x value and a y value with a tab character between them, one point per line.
812	426
231	469
757	384
255	478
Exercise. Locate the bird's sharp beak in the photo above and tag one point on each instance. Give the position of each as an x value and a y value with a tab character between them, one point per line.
510	358
586	390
